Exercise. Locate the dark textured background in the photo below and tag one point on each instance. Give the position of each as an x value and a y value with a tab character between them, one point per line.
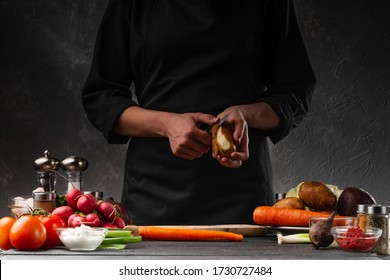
45	53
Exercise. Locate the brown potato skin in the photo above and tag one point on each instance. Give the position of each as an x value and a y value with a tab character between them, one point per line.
290	202
227	131
317	196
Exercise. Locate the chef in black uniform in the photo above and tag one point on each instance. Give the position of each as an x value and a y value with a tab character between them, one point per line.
191	62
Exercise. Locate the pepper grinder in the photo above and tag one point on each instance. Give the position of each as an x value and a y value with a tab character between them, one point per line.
74	168
46	167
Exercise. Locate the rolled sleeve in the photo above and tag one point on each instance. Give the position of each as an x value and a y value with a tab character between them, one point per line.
106	92
289	77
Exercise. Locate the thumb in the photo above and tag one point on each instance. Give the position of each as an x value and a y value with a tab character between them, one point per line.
238	133
206	119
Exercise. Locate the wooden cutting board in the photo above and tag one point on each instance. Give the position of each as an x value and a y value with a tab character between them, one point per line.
244	229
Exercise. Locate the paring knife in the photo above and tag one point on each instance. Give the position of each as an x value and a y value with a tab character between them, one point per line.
208	128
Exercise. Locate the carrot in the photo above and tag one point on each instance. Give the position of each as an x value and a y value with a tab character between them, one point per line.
272	216
160	233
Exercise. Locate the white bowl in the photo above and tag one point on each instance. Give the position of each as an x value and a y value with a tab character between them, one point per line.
82	238
20	205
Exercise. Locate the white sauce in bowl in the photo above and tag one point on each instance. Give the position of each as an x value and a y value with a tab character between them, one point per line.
82	238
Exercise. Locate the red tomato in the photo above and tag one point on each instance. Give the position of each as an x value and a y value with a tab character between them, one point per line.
5	226
27	233
51	223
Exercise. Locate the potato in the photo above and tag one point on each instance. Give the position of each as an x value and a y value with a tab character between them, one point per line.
290	202
222	140
317	196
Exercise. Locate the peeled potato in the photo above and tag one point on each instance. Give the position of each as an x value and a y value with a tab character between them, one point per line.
290	202
222	140
317	196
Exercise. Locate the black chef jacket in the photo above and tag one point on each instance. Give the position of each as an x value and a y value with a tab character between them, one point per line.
197	56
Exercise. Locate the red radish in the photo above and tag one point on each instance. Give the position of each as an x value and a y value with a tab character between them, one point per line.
72	197
64	212
75	220
86	203
107	210
108	225
92	220
119	222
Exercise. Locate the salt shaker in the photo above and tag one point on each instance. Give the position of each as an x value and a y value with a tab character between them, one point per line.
74	168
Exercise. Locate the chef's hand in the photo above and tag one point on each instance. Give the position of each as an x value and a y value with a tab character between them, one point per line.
186	139
257	115
240	138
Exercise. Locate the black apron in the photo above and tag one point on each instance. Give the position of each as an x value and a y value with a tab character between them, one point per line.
199	56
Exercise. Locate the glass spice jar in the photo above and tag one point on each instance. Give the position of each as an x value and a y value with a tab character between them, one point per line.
44	200
378	216
361	214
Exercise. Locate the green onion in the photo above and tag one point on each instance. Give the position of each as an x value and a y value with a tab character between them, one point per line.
293	238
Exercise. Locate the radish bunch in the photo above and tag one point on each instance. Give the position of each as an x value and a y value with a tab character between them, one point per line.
86	209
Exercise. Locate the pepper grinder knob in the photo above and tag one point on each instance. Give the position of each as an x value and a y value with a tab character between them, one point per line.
46	163
74	164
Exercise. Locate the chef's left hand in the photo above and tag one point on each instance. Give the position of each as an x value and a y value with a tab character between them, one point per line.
240	138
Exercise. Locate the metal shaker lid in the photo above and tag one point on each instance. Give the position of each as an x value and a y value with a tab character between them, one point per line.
46	163
279	196
362	208
376	209
73	163
44	196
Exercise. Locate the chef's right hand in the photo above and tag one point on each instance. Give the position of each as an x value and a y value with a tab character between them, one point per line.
186	139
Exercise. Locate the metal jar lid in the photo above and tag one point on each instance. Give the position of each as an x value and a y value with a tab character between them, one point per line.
376	209
73	163
362	208
386	209
44	196
279	196
46	163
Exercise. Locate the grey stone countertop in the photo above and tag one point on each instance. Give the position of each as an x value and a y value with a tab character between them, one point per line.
264	248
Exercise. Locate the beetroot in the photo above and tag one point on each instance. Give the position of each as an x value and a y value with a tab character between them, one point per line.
350	198
320	232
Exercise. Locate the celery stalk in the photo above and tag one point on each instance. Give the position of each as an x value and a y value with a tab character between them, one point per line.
118	233
113	240
130	239
293	238
121	239
112	246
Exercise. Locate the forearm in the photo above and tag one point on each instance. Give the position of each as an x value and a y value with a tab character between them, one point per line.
138	122
260	116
